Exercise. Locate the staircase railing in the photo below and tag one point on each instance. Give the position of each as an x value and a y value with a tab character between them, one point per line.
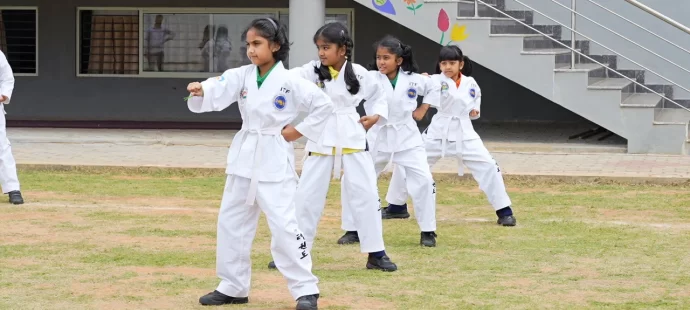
574	50
659	15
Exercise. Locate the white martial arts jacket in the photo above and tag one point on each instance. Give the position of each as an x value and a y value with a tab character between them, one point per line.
343	129
259	151
6	78
453	122
400	132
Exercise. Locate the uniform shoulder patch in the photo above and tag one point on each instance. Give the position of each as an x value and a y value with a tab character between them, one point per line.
411	93
279	102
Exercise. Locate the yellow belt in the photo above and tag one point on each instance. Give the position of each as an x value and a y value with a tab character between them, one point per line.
345	151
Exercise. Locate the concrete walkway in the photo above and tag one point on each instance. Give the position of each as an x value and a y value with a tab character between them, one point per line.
208	149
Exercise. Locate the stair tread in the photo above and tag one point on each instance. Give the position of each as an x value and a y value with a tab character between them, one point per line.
672	116
580	67
517	35
611	83
642	100
463	1
545	51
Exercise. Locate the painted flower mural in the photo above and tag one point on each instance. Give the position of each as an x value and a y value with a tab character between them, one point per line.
457	34
413	6
384	6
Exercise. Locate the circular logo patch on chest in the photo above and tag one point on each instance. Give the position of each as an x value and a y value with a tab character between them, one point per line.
411	93
473	93
279	102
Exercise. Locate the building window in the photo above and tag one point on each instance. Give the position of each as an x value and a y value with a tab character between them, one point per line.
18	39
108	42
154	42
195	42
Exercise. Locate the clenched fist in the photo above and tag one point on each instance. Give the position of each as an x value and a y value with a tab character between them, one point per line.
290	133
368	121
195	89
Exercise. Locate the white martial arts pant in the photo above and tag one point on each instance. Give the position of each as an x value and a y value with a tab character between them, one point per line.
8	167
237	224
474	155
417	180
358	189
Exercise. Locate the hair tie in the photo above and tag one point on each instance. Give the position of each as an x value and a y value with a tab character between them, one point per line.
273	23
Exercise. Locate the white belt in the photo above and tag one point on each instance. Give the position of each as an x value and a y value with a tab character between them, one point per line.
338	160
446	131
373	149
258	156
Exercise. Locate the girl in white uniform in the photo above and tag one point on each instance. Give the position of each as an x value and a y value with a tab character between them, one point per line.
451	133
261	164
343	144
8	166
399	140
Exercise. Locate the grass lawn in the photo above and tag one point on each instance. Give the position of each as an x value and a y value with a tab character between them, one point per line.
110	238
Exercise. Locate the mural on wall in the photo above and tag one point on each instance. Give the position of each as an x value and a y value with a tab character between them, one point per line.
384	6
413	6
457	34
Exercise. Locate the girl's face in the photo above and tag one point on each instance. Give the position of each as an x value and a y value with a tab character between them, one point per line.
386	61
330	54
259	50
451	68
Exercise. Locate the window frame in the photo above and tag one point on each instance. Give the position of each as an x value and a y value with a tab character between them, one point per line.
171	10
35	8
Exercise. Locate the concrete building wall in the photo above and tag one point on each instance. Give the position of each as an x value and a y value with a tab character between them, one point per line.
58	94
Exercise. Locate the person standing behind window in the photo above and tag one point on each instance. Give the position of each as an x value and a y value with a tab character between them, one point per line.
156	37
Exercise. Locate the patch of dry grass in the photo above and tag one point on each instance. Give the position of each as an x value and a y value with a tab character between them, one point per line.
118	238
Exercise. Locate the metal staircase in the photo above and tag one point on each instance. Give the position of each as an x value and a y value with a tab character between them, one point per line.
560	69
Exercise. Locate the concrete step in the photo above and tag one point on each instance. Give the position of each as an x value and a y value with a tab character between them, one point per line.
671	116
562	55
613	83
642	101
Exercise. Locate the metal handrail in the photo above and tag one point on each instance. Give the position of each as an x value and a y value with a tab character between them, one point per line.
638	26
659	15
602	45
586	56
620	35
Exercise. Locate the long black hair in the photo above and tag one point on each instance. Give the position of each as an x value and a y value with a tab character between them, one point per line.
399	49
273	31
453	52
336	33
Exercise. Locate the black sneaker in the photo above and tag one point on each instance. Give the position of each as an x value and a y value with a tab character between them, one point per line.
217	298
507	220
385	214
307	302
349	237
428	239
16	197
383	263
272	265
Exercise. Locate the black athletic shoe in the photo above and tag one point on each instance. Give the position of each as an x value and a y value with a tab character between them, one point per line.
272	265
307	302
217	298
385	214
384	263
16	197
349	237
507	220
428	239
